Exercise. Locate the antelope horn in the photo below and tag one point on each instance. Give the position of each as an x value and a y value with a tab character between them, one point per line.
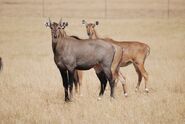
60	22
66	24
49	20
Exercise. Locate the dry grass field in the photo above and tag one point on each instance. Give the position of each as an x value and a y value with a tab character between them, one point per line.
31	90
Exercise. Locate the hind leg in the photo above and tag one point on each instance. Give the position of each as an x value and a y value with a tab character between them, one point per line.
111	79
139	76
145	75
76	81
122	78
112	86
103	80
80	75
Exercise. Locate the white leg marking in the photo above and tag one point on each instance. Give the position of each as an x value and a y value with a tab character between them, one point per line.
147	90
125	94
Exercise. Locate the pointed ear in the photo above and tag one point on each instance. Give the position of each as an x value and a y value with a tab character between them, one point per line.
66	24
47	24
60	22
97	23
49	20
84	22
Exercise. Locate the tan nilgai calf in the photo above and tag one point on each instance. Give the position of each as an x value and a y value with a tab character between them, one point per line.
134	52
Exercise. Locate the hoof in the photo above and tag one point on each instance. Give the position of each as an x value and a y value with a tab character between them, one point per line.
147	90
67	100
125	94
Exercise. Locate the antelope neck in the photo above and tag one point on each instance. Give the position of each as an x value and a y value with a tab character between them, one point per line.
94	36
55	40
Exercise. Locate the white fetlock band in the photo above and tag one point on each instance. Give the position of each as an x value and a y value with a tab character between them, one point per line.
99	98
146	89
125	94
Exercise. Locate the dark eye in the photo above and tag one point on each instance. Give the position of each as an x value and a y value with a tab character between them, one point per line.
51	27
59	27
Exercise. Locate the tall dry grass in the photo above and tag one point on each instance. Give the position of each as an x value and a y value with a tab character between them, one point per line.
31	89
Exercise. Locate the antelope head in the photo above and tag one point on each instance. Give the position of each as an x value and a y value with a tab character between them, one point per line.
56	28
90	27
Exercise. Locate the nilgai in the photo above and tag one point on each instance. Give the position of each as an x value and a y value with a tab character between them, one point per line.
71	54
134	52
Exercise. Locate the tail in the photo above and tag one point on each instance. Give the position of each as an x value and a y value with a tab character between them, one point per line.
1	64
116	60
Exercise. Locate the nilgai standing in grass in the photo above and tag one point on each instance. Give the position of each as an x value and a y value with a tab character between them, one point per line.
134	52
71	54
77	73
